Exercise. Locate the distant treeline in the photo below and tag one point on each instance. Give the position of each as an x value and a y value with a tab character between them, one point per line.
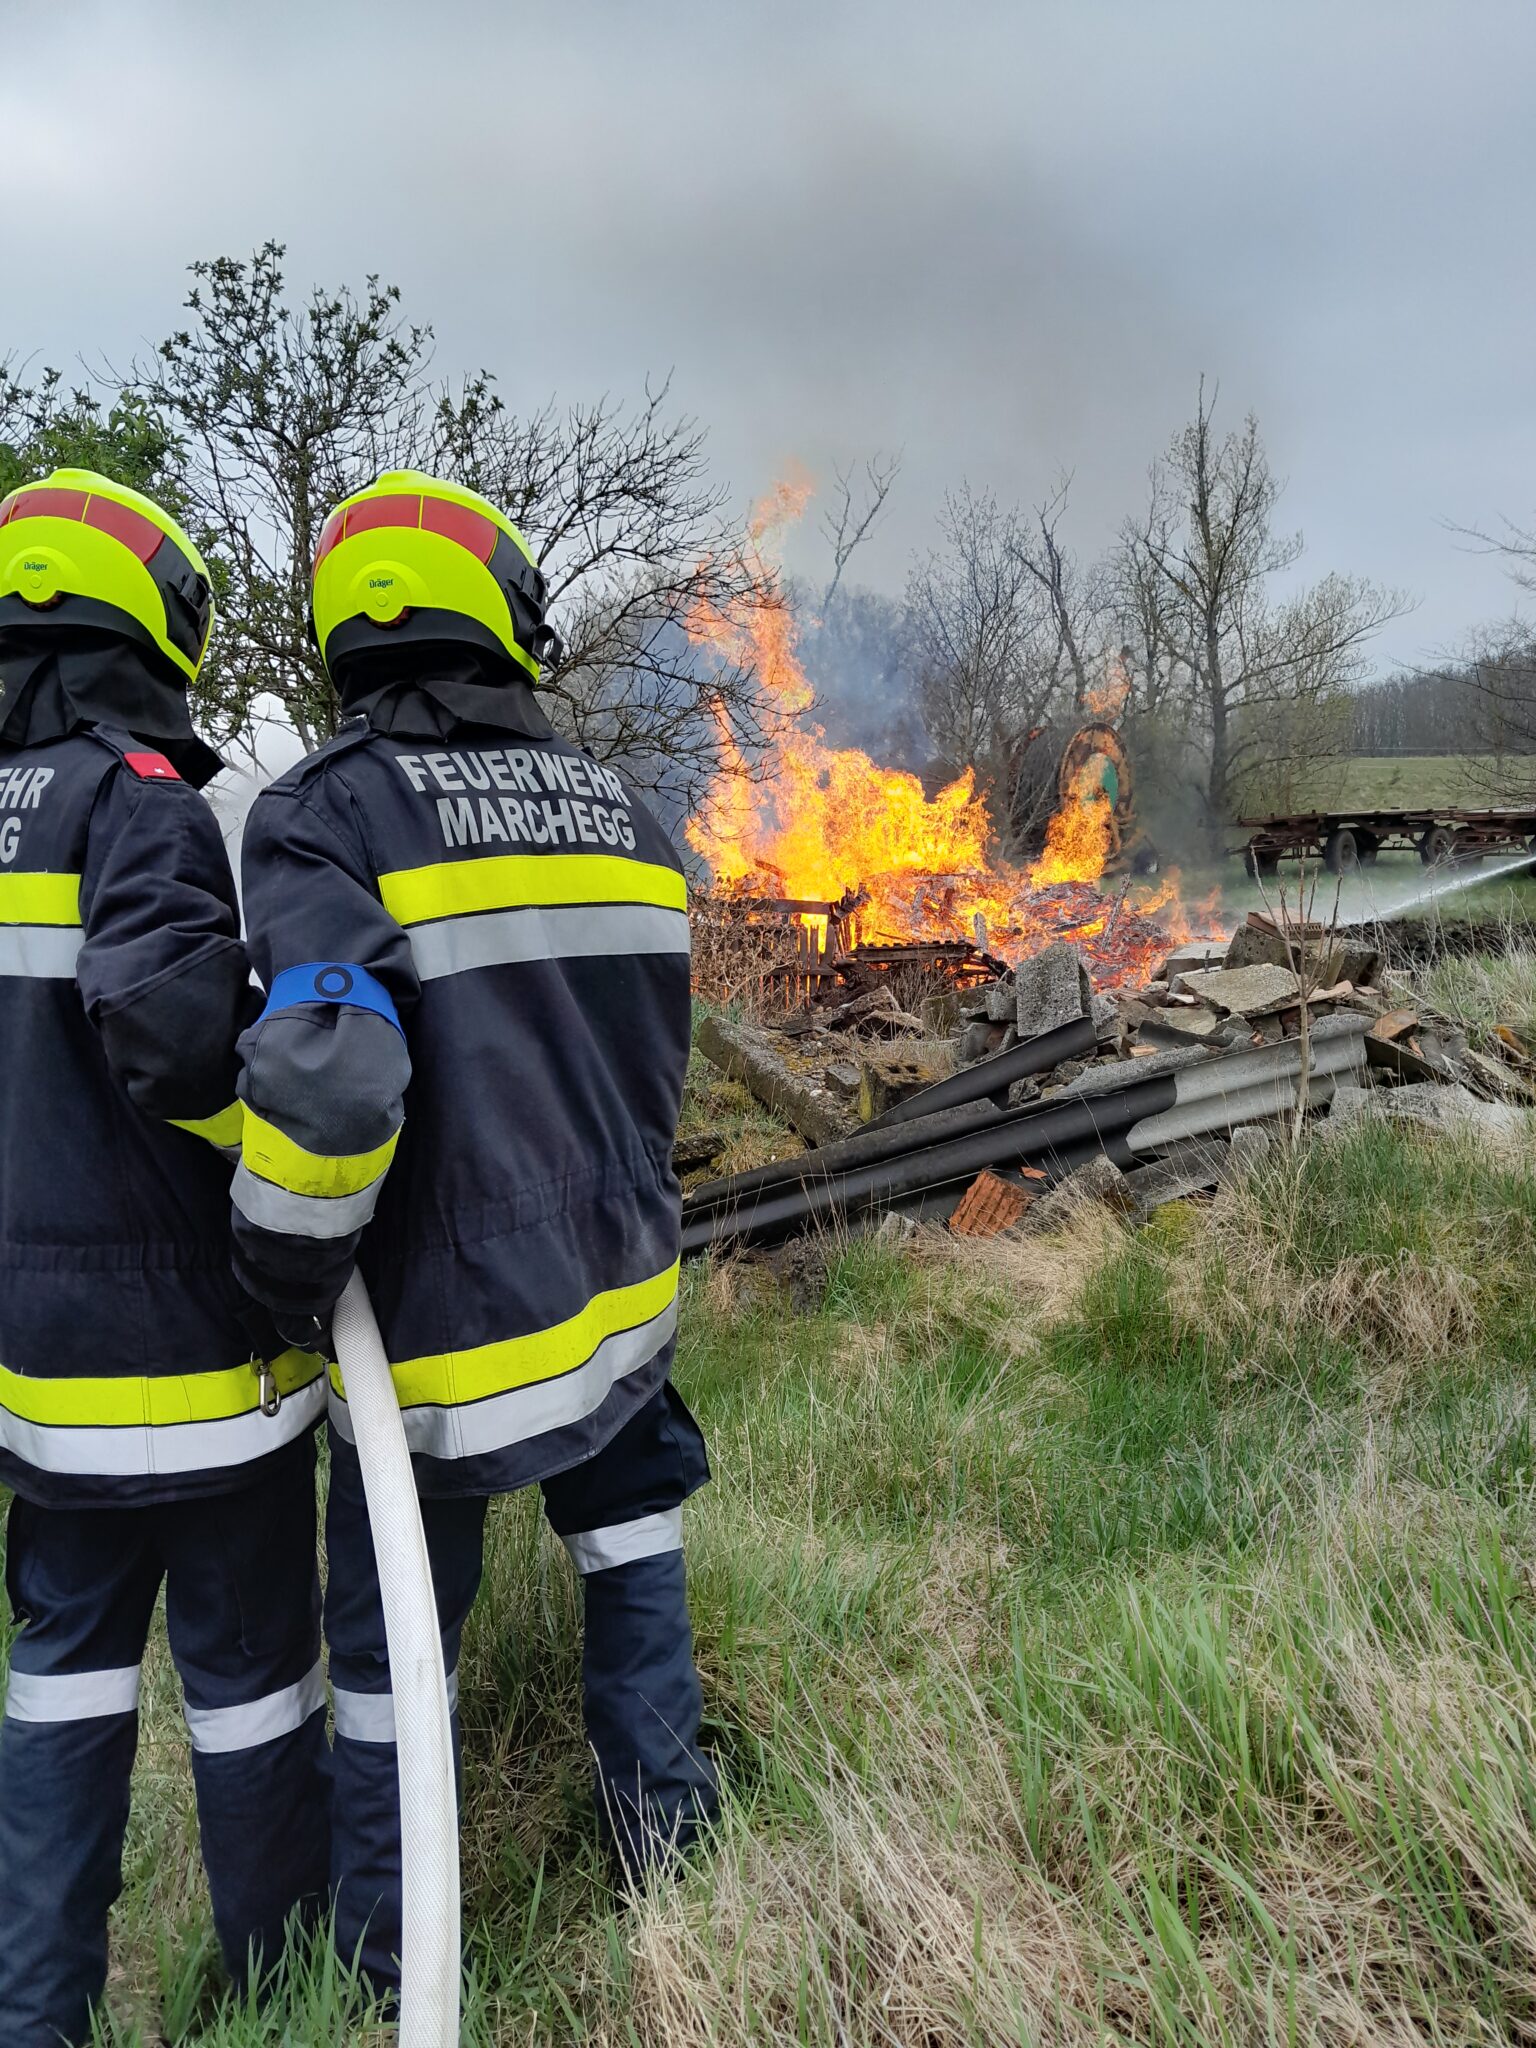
1479	706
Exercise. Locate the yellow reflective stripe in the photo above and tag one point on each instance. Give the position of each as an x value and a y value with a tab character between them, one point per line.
224	1129
273	1155
458	1377
39	899
514	881
133	1401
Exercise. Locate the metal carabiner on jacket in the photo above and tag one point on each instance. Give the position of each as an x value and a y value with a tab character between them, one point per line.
271	1392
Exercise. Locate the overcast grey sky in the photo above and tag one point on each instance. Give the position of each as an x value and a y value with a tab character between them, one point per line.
1004	238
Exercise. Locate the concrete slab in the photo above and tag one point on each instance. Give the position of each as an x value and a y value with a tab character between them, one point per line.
1052	989
1244	991
1198	954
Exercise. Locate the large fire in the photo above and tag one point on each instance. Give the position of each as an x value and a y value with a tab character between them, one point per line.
830	824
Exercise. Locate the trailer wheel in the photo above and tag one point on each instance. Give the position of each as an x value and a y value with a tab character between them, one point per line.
1437	845
1341	852
1259	866
1368	846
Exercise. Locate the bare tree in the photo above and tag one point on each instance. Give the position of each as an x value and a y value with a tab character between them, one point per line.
848	522
1500	676
284	408
1515	544
1206	552
637	544
1151	636
1499	737
1075	599
978	620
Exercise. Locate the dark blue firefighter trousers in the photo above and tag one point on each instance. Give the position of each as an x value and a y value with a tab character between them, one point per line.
620	1517
242	1605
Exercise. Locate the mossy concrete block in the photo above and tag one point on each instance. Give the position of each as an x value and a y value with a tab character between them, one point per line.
765	1062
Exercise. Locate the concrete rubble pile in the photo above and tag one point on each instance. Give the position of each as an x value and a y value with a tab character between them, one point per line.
998	1109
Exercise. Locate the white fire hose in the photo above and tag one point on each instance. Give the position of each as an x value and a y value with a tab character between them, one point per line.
429	1815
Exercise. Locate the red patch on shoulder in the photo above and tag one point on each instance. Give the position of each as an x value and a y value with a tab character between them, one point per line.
152	767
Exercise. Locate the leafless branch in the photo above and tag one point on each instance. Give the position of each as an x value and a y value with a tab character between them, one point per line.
847	524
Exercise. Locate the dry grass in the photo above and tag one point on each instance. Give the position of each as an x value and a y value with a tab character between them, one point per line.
874	1923
1107	1640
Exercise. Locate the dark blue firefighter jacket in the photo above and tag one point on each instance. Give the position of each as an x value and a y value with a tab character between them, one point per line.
467	1076
128	1355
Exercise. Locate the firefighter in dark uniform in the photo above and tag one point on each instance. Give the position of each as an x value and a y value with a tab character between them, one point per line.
467	1078
153	1427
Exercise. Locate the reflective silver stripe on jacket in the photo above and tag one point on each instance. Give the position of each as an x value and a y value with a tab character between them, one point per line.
473	1428
503	938
370	1716
217	1731
275	1208
40	952
138	1449
599	1550
72	1695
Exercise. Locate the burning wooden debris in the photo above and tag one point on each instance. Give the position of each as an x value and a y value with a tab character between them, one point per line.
997	1107
787	951
981	1037
834	869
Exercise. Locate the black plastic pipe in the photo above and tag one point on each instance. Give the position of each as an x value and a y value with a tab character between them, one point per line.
922	1119
996	1075
1056	1135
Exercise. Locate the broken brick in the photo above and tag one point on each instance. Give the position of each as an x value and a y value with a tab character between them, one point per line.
989	1206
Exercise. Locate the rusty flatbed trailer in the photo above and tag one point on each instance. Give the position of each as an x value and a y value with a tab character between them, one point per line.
1348	839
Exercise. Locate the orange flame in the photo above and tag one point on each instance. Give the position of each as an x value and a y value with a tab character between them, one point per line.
826	822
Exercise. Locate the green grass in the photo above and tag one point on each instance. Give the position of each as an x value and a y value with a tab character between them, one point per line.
1398	885
1401	781
1106	1640
1488	991
1362	782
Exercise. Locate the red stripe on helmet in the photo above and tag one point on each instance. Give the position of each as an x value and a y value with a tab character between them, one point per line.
459	523
49	504
454	522
372	513
330	535
136	533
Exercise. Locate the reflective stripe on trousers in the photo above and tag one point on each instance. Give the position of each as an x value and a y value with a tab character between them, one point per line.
370	1716
216	1731
221	1731
45	1697
599	1550
242	1600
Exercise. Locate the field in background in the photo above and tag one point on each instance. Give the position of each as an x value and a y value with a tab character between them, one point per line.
1106	1640
1464	781
1398	884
